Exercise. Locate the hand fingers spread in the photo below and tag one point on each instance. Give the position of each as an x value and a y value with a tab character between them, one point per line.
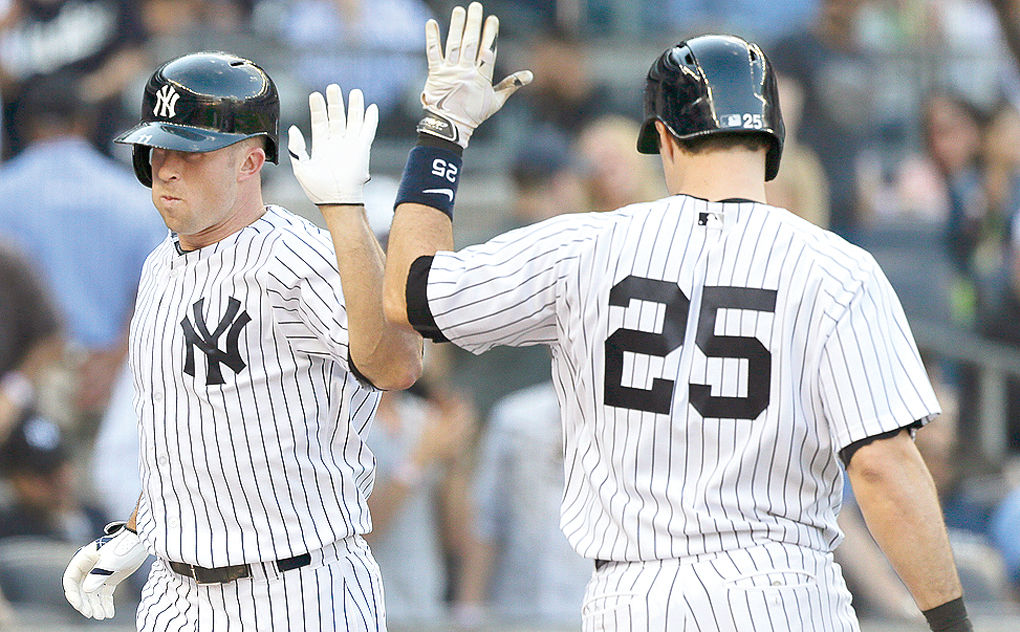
433	47
455	35
320	125
472	33
335	110
371	123
355	112
296	143
512	84
487	53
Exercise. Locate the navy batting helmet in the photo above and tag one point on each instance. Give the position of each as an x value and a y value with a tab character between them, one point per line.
713	84
202	102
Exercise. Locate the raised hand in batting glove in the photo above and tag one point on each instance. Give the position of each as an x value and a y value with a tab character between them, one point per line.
337	169
97	568
458	93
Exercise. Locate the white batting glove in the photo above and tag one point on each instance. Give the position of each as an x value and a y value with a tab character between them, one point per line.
337	170
458	93
97	568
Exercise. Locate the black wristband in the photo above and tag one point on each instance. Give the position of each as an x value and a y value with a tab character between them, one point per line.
428	140
431	176
949	617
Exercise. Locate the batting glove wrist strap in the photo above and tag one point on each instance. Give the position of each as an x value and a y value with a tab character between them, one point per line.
336	169
430	177
97	568
949	617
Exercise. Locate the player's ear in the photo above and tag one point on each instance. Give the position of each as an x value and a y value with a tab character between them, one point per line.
252	160
667	143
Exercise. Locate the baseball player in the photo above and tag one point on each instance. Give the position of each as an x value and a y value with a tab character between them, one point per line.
715	358
252	398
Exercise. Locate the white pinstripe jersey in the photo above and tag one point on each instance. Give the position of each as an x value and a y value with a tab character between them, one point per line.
710	361
251	423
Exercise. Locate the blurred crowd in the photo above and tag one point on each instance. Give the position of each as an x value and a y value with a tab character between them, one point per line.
899	113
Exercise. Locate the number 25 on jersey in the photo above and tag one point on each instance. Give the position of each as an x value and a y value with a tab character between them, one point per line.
659	398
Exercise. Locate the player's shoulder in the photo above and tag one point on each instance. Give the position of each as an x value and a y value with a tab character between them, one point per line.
825	252
295	240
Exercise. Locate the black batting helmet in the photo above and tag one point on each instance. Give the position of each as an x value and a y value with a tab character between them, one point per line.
713	84
202	102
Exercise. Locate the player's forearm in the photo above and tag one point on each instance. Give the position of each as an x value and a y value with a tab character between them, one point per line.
899	502
388	354
417	231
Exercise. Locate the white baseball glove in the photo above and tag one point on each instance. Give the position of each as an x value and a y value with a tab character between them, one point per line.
97	568
337	170
458	93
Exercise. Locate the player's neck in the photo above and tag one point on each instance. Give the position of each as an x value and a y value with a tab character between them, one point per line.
248	209
719	176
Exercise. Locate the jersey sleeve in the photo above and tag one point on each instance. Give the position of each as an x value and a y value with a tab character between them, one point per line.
505	291
871	378
307	298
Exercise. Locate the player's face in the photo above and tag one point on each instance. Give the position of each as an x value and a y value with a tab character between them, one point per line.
195	192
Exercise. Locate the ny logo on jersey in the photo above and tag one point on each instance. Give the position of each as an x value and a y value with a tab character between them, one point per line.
197	335
166	101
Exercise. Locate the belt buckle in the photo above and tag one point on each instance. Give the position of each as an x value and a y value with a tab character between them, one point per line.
195	575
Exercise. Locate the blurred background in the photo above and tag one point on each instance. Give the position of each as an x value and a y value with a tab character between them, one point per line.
903	137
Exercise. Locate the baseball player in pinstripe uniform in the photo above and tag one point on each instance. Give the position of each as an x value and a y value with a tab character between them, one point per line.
252	410
715	358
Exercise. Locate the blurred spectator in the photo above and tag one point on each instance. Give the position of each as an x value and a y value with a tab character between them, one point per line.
101	40
999	319
520	566
564	97
29	336
417	443
615	173
836	122
951	129
1001	179
751	18
800	187
36	462
1005	533
87	225
375	46
115	471
546	181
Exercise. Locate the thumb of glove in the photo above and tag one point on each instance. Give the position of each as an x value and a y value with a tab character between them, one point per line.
512	84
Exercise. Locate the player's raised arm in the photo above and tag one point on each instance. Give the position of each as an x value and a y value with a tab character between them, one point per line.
333	176
458	96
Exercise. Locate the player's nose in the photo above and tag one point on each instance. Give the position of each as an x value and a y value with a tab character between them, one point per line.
166	165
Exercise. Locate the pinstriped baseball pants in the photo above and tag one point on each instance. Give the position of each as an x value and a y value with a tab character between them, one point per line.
340	590
768	588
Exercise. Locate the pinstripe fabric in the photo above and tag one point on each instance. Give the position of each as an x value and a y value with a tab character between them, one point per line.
768	588
710	360
271	462
342	594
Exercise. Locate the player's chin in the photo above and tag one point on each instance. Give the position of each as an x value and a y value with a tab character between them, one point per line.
174	212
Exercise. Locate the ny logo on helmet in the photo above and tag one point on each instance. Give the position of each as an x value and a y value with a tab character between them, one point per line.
166	101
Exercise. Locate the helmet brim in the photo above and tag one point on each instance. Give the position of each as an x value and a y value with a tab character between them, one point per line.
178	137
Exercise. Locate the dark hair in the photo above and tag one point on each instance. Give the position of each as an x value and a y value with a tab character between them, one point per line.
53	100
752	141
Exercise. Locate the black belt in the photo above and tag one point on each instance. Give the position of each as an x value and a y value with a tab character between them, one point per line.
224	574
